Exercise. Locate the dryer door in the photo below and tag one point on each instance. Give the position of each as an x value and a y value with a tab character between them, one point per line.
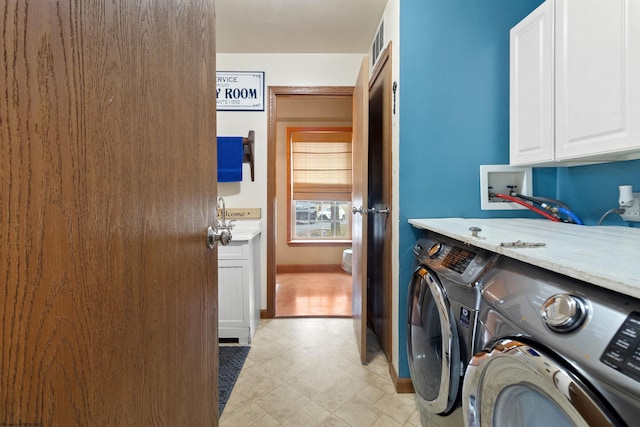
513	384
432	343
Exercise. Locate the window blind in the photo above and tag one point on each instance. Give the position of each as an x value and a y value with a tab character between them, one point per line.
321	163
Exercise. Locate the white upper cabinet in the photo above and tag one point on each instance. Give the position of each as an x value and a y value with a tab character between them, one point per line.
531	83
575	83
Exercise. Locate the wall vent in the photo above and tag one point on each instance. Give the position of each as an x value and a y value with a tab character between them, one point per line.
378	45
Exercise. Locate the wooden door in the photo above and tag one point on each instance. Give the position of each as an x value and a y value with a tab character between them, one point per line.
360	201
379	202
107	185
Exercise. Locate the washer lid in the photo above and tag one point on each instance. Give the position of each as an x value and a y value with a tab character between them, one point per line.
516	384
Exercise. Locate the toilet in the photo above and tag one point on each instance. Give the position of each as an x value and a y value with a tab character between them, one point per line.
346	260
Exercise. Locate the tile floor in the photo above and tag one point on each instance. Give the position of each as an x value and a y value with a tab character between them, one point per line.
307	372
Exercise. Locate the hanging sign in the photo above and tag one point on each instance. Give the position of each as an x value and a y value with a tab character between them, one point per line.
242	213
240	90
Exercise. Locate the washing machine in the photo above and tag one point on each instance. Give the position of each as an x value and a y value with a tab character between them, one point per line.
556	351
443	299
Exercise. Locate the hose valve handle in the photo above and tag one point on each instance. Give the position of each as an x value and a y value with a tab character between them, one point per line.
474	231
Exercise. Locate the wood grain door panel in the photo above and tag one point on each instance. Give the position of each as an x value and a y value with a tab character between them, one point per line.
379	295
107	185
360	200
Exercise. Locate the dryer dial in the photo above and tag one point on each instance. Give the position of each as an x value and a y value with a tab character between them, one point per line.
435	250
564	312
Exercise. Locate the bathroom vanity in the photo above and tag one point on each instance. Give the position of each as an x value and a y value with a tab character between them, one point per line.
239	285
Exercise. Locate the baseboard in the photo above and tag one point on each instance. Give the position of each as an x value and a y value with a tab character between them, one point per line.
402	385
308	268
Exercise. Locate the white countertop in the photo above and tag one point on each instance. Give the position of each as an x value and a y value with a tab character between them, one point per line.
245	230
606	256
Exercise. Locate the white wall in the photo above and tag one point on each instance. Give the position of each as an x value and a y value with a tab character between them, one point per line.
280	70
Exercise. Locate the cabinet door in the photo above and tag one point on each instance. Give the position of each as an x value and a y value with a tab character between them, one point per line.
531	88
597	78
232	297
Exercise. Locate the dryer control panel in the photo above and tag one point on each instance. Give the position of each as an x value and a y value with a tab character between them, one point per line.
452	259
623	352
458	259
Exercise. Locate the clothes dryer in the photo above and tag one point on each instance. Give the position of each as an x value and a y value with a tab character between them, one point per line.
556	352
443	299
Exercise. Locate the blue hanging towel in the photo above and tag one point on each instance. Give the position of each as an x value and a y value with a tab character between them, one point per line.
230	155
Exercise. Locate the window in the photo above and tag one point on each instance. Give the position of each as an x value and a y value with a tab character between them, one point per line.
320	183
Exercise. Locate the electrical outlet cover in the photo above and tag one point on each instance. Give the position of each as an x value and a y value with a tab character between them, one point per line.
632	213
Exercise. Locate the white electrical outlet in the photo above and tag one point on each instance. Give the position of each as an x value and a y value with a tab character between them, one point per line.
632	213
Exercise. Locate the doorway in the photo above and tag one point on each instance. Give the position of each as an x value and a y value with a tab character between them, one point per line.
379	230
291	258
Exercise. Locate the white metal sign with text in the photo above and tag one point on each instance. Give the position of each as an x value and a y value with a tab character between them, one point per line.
240	90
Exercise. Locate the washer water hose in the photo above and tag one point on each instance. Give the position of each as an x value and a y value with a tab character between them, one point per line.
543	202
571	215
527	205
539	200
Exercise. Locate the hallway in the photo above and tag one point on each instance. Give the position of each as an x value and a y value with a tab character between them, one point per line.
318	294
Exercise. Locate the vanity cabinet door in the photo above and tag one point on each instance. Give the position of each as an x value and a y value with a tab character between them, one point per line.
232	294
239	289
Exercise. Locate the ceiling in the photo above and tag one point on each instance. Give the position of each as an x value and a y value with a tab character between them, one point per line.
296	26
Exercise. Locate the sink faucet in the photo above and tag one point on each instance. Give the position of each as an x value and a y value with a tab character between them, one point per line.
222	206
223	224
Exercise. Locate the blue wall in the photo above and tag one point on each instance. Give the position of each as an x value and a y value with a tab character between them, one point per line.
454	103
593	190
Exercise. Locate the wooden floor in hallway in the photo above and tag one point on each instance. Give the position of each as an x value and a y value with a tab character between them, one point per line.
314	294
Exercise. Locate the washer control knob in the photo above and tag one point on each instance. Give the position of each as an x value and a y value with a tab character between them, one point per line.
435	250
564	312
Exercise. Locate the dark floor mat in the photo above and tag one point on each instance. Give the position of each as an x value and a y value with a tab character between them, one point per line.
231	361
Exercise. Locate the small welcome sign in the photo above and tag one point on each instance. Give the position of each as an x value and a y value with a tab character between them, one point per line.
240	90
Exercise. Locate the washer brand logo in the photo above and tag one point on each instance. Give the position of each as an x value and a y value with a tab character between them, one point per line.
465	317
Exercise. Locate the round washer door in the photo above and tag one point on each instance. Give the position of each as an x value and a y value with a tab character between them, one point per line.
513	384
432	343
